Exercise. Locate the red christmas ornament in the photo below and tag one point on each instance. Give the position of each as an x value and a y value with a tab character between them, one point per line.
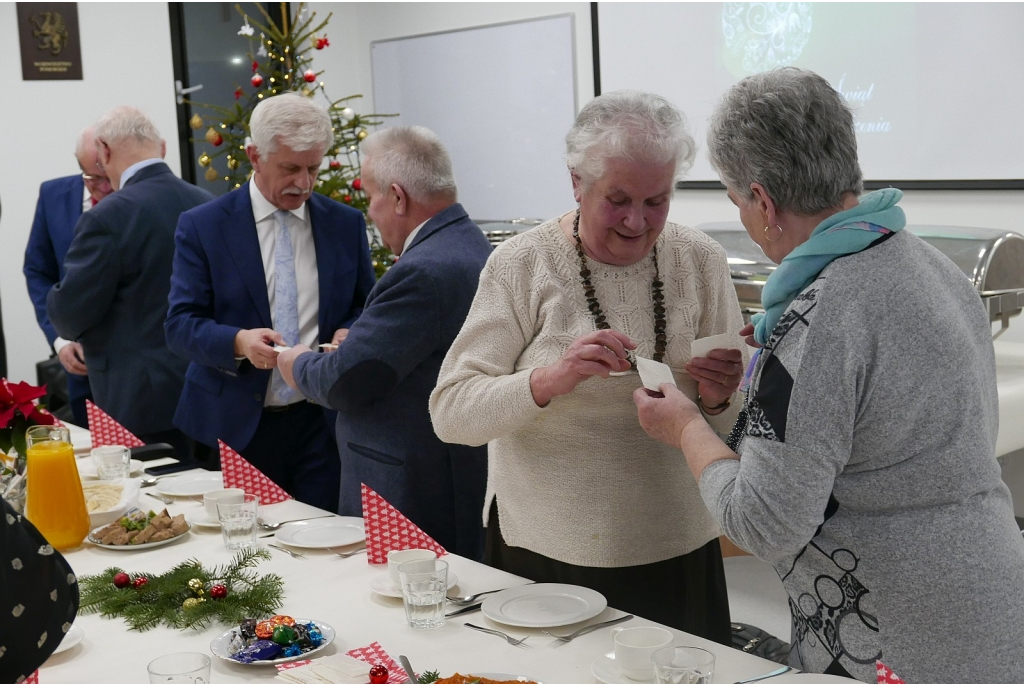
238	93
122	580
256	80
322	43
335	164
217	140
255	66
379	674
139	582
218	592
357	184
347	199
309	76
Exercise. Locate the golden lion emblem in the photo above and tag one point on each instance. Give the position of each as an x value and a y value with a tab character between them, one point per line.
51	28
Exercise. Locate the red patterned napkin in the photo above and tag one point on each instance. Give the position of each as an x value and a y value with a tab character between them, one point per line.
374	654
293	664
387	529
34	676
238	473
885	674
106	431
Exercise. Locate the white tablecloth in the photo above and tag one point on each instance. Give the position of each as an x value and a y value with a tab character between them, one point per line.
337	591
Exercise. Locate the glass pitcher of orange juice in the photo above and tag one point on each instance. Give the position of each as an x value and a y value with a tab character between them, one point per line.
54	501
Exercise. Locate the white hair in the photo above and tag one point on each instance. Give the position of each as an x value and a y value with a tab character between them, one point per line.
127	124
293	120
640	127
86	141
413	158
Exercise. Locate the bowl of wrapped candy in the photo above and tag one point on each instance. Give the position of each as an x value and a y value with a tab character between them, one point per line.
275	640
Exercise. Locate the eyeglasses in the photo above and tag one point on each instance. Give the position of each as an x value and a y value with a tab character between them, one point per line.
93	178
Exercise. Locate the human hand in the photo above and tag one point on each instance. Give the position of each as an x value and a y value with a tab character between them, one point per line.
339	336
255	345
748	333
286	363
72	358
718	375
664	415
594	354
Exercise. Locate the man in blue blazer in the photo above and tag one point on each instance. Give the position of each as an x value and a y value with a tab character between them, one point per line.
117	272
380	377
61	202
271	263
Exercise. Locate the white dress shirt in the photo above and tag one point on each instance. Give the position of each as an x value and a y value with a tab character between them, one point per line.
412	236
135	168
307	277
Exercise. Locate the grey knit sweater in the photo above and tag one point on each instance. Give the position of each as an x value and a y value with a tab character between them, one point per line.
868	477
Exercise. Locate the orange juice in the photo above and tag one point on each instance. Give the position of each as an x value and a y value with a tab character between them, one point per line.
54	500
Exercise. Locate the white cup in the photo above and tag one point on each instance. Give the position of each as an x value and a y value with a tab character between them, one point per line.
397	557
634	648
226	496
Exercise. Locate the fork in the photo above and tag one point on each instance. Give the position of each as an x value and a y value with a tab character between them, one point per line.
589	629
508	638
346	555
165	500
295	555
469	599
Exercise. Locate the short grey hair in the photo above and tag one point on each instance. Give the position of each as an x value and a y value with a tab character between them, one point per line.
790	131
640	127
86	141
127	124
413	158
293	120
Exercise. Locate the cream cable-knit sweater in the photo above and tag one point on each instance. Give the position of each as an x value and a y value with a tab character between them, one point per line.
578	480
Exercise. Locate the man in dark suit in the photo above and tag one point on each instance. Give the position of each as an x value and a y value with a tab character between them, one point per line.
380	377
61	202
117	272
269	263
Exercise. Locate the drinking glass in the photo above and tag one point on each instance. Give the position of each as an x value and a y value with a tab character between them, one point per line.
238	521
54	502
183	667
683	665
112	462
424	584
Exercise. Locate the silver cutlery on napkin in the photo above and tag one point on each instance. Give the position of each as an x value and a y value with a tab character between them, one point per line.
275	526
589	629
404	660
772	674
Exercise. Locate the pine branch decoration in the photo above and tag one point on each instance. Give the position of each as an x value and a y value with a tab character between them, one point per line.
159	601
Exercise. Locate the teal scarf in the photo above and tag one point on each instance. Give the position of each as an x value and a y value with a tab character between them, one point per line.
838	235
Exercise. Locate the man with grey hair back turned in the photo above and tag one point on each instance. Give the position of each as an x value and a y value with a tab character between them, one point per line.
270	264
381	376
113	297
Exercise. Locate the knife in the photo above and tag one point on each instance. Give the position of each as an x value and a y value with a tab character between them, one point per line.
404	660
464	610
778	671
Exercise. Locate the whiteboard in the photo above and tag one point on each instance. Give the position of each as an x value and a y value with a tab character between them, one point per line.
501	98
935	87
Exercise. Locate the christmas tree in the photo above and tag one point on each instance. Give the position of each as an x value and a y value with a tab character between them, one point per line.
282	61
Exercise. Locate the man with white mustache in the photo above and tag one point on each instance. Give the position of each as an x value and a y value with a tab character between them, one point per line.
269	265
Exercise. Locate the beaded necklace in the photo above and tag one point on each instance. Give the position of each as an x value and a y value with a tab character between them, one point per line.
657	297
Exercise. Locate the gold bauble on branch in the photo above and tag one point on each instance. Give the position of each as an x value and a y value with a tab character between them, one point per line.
204	159
211	174
232	163
362	134
196	122
192	603
211	135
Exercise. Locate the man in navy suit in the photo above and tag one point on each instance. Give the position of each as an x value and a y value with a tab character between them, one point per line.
271	263
117	272
61	202
380	377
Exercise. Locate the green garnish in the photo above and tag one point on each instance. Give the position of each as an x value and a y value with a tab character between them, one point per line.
430	677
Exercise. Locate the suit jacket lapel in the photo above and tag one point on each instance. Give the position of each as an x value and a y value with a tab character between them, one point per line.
326	258
73	200
243	244
446	217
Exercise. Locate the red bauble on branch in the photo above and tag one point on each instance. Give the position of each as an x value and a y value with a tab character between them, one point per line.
218	592
347	199
122	580
357	184
139	582
378	674
309	76
334	164
322	43
238	93
255	66
256	81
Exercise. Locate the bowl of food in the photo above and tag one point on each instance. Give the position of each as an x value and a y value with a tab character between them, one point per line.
107	500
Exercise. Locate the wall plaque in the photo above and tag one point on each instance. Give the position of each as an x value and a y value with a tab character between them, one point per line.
51	46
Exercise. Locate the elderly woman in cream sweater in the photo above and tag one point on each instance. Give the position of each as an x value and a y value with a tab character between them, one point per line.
577	492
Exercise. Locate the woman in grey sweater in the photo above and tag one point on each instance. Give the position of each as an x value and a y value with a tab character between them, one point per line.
863	465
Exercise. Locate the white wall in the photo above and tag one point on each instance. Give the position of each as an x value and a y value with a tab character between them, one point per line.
126	58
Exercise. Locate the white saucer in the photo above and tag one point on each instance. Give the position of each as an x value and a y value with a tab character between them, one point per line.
71	638
202	519
606	670
383	585
191	484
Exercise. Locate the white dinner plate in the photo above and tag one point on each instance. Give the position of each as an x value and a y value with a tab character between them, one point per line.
190	485
87	469
144	545
219	646
202	519
336	531
71	638
383	585
544	605
606	670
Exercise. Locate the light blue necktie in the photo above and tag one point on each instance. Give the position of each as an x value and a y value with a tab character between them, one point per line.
286	304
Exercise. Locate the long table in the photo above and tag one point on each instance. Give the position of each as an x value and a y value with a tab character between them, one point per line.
326	587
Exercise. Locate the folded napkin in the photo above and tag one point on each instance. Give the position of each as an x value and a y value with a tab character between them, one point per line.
238	473
338	668
885	674
387	529
374	654
106	431
34	676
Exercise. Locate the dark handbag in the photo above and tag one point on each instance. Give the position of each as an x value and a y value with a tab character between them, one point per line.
50	373
753	640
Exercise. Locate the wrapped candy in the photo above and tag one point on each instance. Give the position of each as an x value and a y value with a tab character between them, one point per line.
284	635
264	630
236	644
261	650
248	629
302	637
292	650
315	636
280	620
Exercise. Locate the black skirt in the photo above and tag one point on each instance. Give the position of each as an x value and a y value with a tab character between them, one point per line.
687	593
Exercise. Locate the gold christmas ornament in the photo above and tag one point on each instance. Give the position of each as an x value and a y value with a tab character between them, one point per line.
232	163
336	195
192	603
211	174
196	122
195	585
204	159
211	135
362	134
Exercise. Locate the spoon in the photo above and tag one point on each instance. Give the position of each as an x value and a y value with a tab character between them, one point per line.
469	599
275	526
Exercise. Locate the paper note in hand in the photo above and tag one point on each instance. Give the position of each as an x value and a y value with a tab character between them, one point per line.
281	348
653	373
725	341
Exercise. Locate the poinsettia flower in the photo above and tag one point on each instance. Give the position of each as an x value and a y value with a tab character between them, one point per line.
20	398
